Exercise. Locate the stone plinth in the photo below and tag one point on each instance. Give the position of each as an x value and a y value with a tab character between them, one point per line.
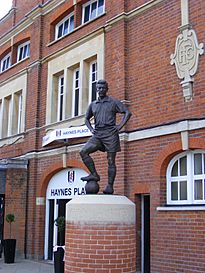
100	235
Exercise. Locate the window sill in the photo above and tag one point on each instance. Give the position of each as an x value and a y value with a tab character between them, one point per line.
11	140
75	121
182	208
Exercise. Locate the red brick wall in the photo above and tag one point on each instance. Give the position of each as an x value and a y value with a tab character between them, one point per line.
23	7
178	242
16	203
100	248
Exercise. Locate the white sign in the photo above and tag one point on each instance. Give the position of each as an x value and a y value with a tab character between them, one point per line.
66	133
66	184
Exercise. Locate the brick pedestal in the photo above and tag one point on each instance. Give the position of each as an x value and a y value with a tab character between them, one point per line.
100	235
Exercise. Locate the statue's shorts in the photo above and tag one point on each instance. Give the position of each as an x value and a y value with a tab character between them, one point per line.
106	142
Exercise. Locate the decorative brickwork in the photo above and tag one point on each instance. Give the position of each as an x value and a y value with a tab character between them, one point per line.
100	248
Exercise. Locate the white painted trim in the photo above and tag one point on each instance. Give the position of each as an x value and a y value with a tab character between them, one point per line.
62	22
183	208
55	228
46	230
73	91
61	96
184	12
90	79
8	56
178	127
89	4
27	51
189	177
185	140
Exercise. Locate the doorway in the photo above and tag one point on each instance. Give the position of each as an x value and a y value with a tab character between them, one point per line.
62	187
57	207
145	232
2	207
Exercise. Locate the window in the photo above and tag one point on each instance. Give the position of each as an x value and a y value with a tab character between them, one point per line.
60	112
6	62
76	93
12	109
93	9
186	179
65	26
6	116
11	114
93	80
68	98
17	113
23	51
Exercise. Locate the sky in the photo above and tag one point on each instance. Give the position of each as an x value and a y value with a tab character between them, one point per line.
5	6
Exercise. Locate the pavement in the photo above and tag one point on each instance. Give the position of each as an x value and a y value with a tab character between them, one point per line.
26	266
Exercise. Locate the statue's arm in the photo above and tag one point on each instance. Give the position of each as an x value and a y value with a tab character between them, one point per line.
126	117
88	124
88	116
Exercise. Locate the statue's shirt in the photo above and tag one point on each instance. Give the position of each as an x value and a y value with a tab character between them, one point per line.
104	112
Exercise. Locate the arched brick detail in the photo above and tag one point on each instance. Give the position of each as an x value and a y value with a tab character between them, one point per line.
164	157
53	169
171	150
197	143
162	161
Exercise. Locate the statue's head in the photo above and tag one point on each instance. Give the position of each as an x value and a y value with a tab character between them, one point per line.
102	88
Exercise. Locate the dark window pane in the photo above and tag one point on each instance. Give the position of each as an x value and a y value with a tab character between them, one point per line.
93	67
71	23
25	51
76	84
28	53
175	169
198	164
4	66
198	193
93	10
61	108
183	166
60	31
93	91
21	53
65	27
100	6
86	15
76	102
174	191
183	190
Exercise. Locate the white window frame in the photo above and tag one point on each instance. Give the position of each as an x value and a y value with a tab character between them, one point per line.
20	111
91	80
190	178
74	92
6	59
62	23
26	51
61	96
96	15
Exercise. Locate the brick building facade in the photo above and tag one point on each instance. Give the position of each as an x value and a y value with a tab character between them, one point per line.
151	53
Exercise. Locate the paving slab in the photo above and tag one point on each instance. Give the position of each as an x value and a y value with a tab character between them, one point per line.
26	266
